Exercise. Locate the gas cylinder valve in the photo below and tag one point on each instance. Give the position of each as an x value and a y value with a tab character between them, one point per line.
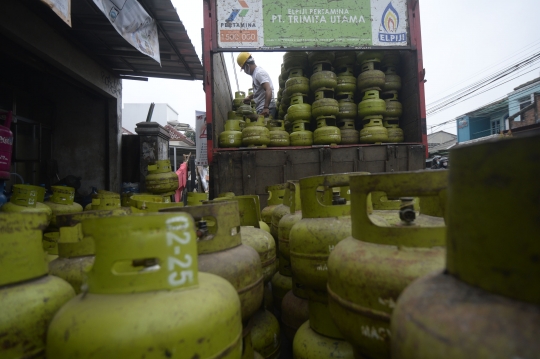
406	210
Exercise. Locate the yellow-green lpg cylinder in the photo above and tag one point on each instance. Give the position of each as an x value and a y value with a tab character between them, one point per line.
76	252
146	297
60	202
161	179
289	220
486	304
281	284
265	334
25	200
104	200
275	198
196	199
368	271
144	203
232	135
308	344
50	245
278	213
222	253
29	297
294	313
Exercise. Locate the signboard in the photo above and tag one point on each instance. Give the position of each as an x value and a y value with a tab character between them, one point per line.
131	21
313	23
201	157
62	8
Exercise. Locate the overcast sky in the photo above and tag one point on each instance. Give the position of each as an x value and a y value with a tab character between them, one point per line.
463	42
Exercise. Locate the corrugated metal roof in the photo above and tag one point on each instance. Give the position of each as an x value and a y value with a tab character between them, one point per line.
178	57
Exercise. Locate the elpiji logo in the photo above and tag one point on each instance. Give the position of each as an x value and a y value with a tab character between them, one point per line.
389	26
239	12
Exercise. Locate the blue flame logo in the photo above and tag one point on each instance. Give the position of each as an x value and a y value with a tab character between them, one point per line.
390	19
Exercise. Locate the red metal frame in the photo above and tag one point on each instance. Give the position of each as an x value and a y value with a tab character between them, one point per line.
416	44
208	38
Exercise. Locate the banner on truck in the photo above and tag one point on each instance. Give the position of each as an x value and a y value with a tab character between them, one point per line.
201	156
131	21
313	23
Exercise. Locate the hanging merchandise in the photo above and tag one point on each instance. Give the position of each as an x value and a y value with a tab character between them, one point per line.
29	297
326	133
132	289
76	252
222	253
256	134
25	200
161	179
232	135
486	302
368	271
373	130
278	136
349	135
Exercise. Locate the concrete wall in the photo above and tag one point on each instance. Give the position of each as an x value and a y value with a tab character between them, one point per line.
134	113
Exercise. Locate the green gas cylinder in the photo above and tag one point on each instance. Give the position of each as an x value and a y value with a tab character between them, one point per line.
371	105
161	179
278	136
76	252
324	104
295	60
278	213
275	198
285	224
196	199
104	200
344	58
373	130
486	304
50	245
144	203
221	251
294	313
369	56
347	108
60	202
395	133
393	106
239	97
308	344
392	80
297	82
232	135
29	297
369	270
346	83
349	135
281	284
25	200
327	133
146	297
255	134
370	78
300	135
324	223
265	334
322	79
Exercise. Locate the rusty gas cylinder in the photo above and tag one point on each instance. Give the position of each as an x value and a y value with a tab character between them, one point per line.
486	304
275	198
265	334
222	252
161	179
369	270
29	297
61	201
309	344
294	313
293	201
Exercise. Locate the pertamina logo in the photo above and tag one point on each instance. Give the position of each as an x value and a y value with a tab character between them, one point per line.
389	26
239	12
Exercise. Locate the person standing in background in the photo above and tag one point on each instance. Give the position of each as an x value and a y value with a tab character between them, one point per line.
263	89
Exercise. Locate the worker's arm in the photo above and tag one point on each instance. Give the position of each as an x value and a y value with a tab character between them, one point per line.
248	99
267	98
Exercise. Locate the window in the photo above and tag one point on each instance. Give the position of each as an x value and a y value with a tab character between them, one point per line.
495	127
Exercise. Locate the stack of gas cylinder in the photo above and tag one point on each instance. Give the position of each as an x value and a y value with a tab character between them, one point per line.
321	100
351	265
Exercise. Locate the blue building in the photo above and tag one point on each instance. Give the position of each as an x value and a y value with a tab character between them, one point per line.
491	119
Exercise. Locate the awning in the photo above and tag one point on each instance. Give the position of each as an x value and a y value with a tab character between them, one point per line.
95	33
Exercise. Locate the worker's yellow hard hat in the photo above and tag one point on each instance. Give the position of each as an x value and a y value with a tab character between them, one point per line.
242	58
